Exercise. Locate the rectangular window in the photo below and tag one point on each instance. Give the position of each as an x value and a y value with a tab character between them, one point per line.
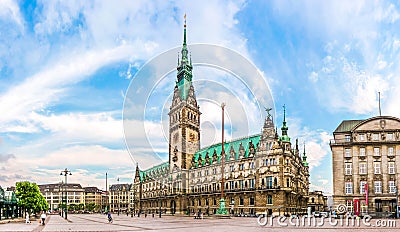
272	161
391	168
347	152
378	186
377	151
349	187
269	182
377	168
348	168
389	136
363	168
232	168
241	201
390	151
251	165
362	151
241	167
252	183
392	186
266	162
231	185
241	184
362	187
251	200
347	138
375	137
362	137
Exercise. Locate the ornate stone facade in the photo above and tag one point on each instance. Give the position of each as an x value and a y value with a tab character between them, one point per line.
366	152
263	172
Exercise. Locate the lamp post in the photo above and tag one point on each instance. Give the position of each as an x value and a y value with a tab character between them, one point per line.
66	172
222	210
118	195
159	210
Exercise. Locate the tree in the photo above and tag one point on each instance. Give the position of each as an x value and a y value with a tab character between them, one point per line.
90	207
29	197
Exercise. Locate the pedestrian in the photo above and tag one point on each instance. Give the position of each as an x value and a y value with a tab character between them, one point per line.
145	214
43	217
110	220
27	218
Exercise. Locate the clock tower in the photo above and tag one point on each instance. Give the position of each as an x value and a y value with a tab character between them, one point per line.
184	115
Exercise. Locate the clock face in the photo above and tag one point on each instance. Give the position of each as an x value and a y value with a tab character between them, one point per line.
192	137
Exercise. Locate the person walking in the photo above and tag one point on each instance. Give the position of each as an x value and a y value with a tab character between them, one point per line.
43	217
110	220
27	218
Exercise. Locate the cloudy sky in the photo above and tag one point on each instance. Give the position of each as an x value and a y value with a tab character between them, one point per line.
66	66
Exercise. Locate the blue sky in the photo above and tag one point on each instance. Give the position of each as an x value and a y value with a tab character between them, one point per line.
65	67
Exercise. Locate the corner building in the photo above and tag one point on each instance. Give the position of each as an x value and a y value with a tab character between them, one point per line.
263	172
365	162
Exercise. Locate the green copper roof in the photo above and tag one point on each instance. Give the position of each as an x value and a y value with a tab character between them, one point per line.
347	125
184	68
235	145
154	171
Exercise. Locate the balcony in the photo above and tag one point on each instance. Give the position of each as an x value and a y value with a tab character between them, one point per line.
338	142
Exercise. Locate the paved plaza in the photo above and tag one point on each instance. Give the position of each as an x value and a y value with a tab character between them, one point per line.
97	222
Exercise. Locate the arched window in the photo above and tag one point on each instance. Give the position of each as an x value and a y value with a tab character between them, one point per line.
269	199
287	182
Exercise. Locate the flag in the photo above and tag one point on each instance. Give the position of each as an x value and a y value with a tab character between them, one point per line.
366	193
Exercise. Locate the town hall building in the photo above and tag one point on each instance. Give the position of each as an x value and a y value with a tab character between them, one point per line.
262	173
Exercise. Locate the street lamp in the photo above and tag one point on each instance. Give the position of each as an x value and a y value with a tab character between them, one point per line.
118	188
66	172
160	195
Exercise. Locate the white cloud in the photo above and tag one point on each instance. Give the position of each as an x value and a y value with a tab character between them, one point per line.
10	10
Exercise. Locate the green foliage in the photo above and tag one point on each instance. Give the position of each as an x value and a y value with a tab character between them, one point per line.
90	207
30	197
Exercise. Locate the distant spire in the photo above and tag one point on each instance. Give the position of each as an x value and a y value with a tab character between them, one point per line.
305	163
284	114
284	128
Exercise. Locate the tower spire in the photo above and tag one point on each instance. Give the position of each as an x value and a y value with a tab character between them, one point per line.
305	163
284	127
184	68
184	46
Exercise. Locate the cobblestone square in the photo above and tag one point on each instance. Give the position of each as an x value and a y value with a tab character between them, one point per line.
97	222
